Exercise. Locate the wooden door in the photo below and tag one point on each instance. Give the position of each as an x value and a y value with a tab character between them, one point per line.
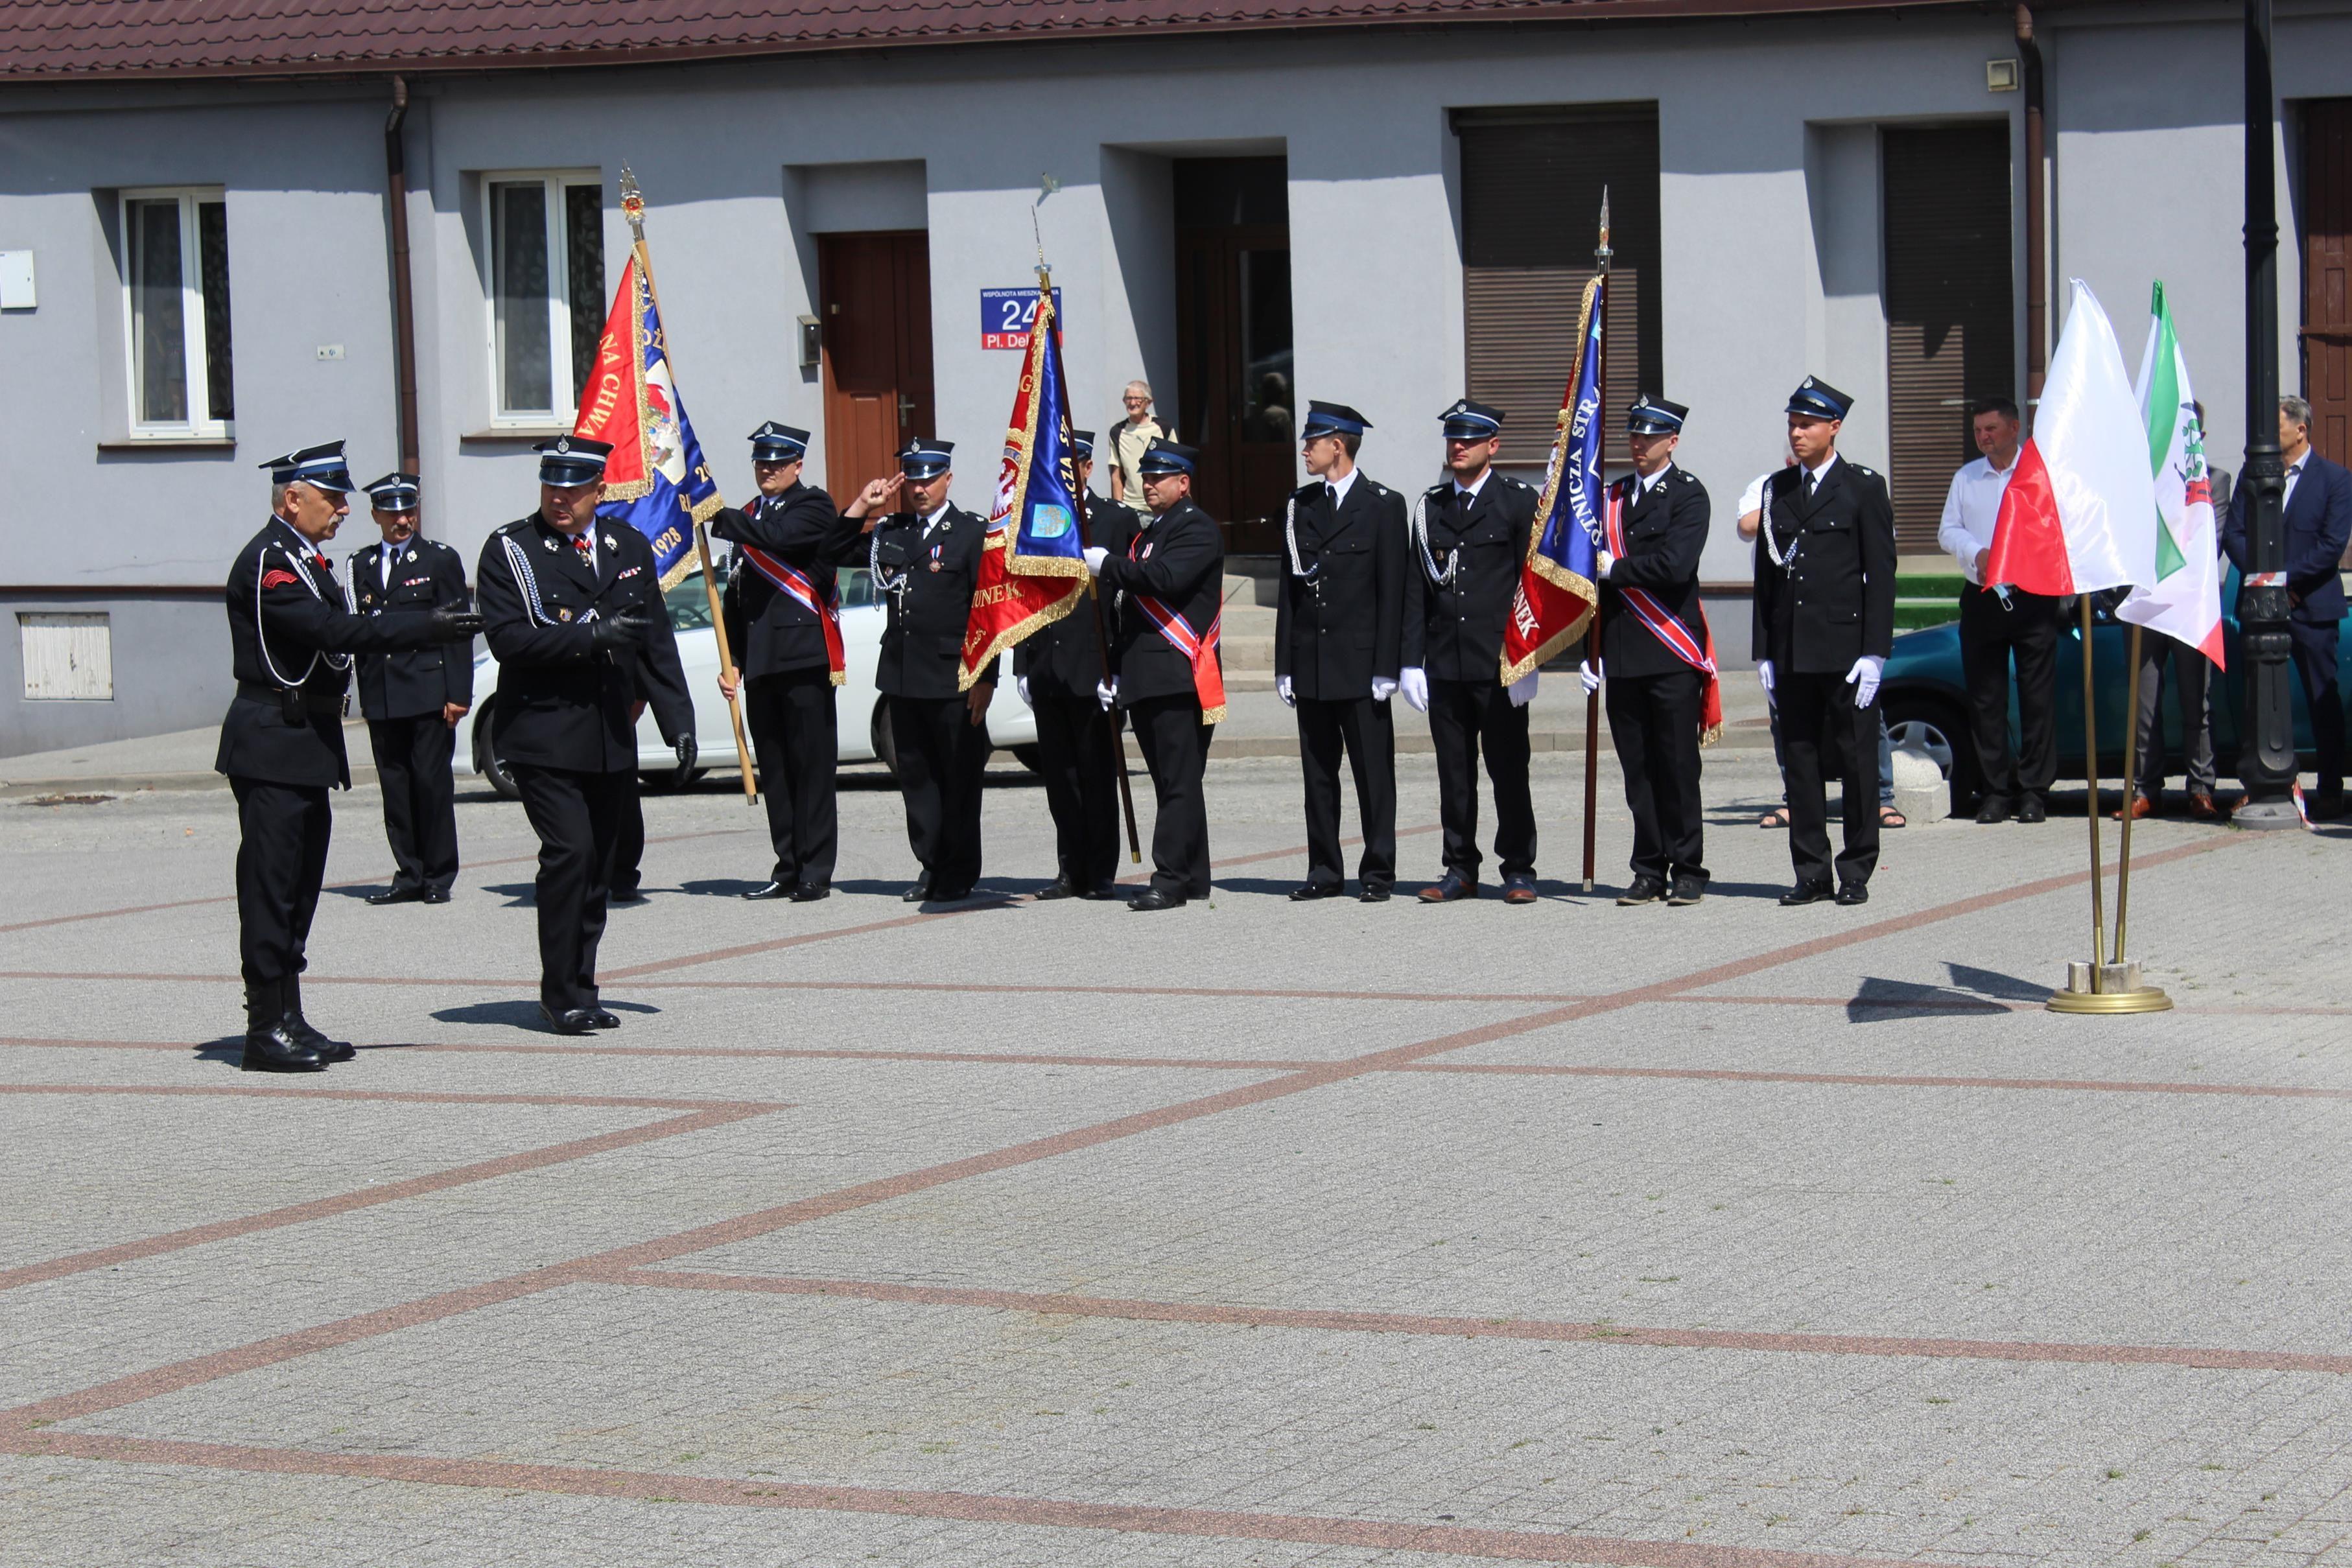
874	301
2327	273
1238	394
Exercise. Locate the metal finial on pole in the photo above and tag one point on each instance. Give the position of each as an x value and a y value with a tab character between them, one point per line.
632	205
1046	186
1602	253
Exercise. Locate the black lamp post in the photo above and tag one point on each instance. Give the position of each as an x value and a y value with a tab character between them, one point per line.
2266	760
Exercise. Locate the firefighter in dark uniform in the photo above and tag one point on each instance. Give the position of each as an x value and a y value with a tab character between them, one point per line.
414	698
573	608
1469	540
1651	627
291	638
926	559
1825	627
1057	670
1337	641
783	630
1167	671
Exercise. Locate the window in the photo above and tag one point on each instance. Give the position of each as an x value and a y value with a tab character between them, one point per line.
546	292
175	305
68	657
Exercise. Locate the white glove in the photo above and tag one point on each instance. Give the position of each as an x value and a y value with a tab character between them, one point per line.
1107	693
1281	690
1414	681
1522	691
1021	684
1602	562
1864	678
1590	673
1384	688
1096	556
1764	674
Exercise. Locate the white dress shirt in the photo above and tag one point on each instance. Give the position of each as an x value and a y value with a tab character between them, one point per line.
1470	492
1971	506
2293	473
1338	489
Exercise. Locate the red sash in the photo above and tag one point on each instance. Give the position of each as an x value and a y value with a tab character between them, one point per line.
790	580
1662	623
1198	651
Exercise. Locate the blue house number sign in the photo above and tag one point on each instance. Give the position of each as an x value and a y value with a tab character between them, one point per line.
1006	316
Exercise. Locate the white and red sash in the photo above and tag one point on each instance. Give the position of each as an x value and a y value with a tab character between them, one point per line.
1662	622
1199	649
792	581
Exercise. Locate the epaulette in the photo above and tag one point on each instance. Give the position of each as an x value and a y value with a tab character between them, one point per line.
1861	470
1379	488
1516	483
518	526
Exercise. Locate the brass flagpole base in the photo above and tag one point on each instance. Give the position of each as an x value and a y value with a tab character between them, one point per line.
2095	988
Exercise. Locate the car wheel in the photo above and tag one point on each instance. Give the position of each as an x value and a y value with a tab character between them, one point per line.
487	760
1938	728
1029	758
886	746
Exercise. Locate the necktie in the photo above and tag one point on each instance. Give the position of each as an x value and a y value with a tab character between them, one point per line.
384	559
1331	495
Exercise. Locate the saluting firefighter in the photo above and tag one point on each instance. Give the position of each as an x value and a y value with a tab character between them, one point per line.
291	637
1337	641
1654	654
573	611
1167	670
925	561
412	699
1825	627
1057	670
1469	540
783	627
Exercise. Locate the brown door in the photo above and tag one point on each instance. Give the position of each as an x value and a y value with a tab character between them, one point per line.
1236	391
875	294
2327	273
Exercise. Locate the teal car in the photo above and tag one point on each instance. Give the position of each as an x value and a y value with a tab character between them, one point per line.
1926	698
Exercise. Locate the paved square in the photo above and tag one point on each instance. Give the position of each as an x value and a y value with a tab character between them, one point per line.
1255	1233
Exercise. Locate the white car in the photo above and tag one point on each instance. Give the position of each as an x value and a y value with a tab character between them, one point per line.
865	724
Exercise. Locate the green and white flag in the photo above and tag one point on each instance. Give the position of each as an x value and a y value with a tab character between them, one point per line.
2186	603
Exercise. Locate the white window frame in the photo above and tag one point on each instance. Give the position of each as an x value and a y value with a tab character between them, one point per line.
559	294
200	425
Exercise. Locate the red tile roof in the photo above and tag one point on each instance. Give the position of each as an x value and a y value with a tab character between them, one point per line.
117	39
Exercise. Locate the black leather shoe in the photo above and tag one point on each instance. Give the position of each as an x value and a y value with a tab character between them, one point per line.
949	895
297	1028
1645	890
1519	888
1806	893
1376	893
571	1020
810	891
635	895
1101	892
1453	885
1315	890
436	896
398	893
1854	892
1689	889
267	1047
1151	899
603	1019
2031	810
767	891
919	892
1060	887
1994	808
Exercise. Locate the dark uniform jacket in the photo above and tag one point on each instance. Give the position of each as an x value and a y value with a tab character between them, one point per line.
1180	560
1065	659
1835	601
1665	529
1454	631
1340	618
425	575
561	704
922	641
769	632
2318	523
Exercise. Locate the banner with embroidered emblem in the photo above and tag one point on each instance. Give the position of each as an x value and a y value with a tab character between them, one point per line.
1033	565
796	585
1659	622
1556	592
656	480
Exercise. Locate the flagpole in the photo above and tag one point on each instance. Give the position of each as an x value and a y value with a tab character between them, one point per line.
632	207
2131	795
2090	778
1600	258
2104	984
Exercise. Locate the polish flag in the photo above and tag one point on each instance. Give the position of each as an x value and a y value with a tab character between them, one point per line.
2080	513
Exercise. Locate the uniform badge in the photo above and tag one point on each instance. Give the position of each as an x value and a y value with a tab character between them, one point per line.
550	544
935	563
609	544
410	557
563	615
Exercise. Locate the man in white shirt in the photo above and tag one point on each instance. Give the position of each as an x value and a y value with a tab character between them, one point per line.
1998	624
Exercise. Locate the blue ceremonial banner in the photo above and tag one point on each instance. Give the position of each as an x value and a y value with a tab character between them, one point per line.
656	481
1556	588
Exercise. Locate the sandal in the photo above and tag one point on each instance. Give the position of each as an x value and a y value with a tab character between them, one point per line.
1888	817
1778	816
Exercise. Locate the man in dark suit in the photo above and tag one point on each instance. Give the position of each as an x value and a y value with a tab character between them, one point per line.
1654	654
784	628
1469	540
412	698
925	561
2318	512
1824	626
291	638
1167	671
573	610
1058	669
1337	641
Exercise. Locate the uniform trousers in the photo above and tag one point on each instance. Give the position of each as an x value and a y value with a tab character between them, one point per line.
1464	715
1367	730
1818	710
795	734
942	760
281	860
629	845
1076	753
579	819
1175	745
1655	722
2313	649
420	798
2193	695
1990	637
